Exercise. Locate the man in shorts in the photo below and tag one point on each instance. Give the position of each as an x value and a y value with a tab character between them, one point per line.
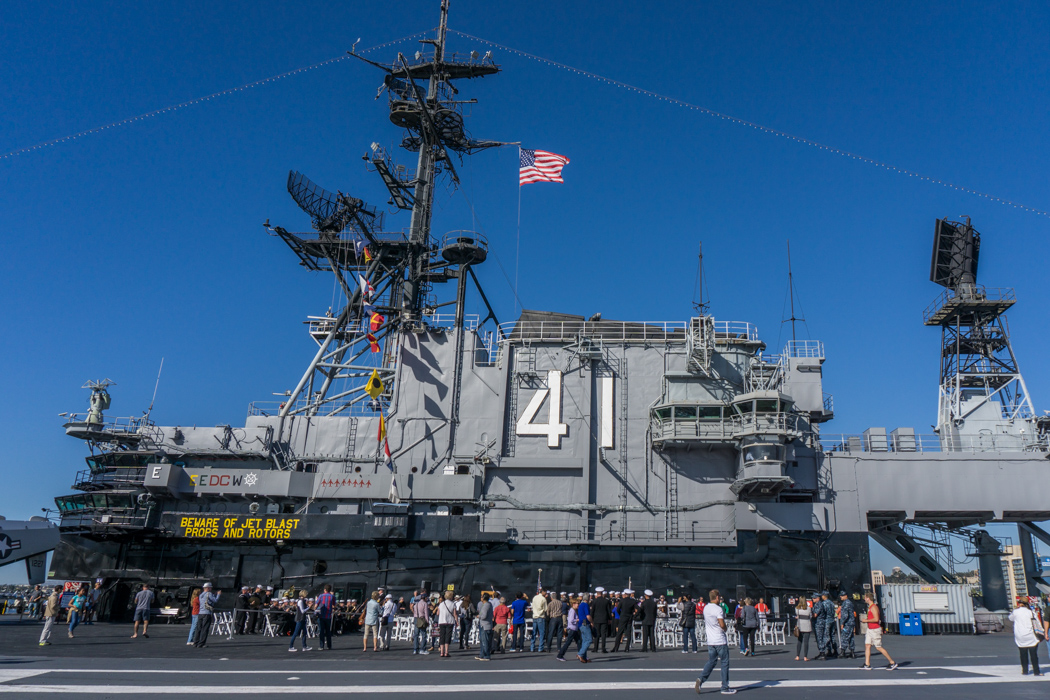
873	634
143	600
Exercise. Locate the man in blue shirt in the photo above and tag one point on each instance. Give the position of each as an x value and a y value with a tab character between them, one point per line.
204	619
518	607
584	612
324	605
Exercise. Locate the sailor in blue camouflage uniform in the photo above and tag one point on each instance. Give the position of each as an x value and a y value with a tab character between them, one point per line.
847	623
820	626
831	649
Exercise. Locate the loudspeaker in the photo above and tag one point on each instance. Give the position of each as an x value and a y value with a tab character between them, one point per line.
741	593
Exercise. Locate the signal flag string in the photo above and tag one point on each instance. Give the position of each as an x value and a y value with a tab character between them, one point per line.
206	98
753	125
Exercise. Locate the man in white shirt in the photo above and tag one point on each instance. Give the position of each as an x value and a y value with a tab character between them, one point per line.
386	622
539	622
717	643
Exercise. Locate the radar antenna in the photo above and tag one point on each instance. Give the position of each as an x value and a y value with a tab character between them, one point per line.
100	399
332	213
980	378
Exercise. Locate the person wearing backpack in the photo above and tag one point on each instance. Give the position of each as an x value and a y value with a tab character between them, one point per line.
687	621
467	611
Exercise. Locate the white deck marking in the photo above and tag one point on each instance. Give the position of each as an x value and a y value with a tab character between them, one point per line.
493	688
17	675
975	675
573	668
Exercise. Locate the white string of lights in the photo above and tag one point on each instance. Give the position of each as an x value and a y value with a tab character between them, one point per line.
199	100
758	127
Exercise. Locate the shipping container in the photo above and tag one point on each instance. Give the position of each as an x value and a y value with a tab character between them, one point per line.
945	608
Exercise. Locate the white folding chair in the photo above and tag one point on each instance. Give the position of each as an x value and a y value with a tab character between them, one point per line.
636	633
311	627
271	625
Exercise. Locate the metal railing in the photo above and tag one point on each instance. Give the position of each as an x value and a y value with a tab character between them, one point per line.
725	429
87	480
735	330
692	429
465	236
630	331
969	293
470	321
909	443
804	348
751	423
131	425
300	406
829	403
596	330
708	532
84	521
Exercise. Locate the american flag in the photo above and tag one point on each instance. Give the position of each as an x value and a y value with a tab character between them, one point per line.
540	166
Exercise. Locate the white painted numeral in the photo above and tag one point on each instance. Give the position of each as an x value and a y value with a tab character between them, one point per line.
606	412
554	429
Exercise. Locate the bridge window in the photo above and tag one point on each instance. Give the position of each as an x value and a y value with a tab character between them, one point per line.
710	412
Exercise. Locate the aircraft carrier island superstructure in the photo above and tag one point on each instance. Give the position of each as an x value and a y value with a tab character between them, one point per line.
428	446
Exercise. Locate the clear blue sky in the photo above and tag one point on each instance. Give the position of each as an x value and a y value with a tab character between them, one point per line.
145	241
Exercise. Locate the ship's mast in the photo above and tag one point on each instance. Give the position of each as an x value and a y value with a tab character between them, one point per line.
387	276
425	177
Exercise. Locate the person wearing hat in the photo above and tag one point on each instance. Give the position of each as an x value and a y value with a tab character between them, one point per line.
255	603
847	624
240	615
205	616
601	614
386	621
832	625
628	606
820	626
647	617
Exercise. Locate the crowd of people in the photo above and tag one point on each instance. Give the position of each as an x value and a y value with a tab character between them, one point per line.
548	621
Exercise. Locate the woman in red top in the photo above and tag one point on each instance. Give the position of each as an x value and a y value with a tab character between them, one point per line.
195	609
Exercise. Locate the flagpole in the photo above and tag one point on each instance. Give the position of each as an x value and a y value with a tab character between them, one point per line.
517	240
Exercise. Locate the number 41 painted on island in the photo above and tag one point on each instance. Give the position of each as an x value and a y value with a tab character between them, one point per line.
554	429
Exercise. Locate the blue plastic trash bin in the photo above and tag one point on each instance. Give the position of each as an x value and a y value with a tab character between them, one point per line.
910	624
